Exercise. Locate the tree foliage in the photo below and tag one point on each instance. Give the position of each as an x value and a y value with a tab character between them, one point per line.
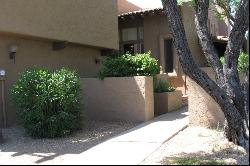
243	62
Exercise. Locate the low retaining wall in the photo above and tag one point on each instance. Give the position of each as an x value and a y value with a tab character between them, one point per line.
119	98
203	110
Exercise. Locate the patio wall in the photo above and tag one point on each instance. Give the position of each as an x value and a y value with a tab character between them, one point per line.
203	110
119	98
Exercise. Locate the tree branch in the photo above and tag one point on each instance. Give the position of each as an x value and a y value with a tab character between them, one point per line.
201	17
192	70
236	40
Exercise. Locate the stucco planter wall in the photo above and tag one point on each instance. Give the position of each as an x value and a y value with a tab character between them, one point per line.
203	110
167	101
119	98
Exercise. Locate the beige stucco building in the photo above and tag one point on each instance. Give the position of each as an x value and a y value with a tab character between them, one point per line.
54	34
146	30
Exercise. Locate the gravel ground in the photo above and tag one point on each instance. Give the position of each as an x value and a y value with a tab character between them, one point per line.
19	147
198	142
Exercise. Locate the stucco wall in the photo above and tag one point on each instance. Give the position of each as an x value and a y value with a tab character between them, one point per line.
39	53
156	30
217	27
89	22
119	98
203	110
155	27
188	18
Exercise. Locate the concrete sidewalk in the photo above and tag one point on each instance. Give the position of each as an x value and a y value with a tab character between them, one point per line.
134	145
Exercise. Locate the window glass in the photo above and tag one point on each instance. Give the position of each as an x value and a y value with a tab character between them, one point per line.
141	48
141	36
129	34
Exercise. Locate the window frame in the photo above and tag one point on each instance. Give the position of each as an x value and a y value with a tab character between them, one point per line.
139	42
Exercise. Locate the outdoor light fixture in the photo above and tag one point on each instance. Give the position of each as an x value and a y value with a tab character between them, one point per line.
12	52
2	72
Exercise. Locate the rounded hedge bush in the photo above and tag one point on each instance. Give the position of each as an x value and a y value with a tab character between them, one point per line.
130	65
48	103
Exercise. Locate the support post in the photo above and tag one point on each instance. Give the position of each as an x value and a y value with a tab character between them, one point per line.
3	101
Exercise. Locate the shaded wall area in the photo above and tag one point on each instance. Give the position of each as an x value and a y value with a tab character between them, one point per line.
156	27
188	18
89	22
39	53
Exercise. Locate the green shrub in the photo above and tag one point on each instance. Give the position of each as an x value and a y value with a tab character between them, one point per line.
48	103
162	86
129	65
243	62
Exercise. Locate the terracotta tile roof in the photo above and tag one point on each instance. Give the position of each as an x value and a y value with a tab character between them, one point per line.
141	12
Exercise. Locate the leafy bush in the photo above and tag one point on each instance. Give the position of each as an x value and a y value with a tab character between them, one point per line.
129	65
48	103
243	62
162	86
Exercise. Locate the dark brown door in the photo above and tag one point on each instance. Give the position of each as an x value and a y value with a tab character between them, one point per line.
168	52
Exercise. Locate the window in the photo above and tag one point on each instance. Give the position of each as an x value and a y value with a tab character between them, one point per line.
132	40
129	34
129	48
168	52
141	48
141	36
